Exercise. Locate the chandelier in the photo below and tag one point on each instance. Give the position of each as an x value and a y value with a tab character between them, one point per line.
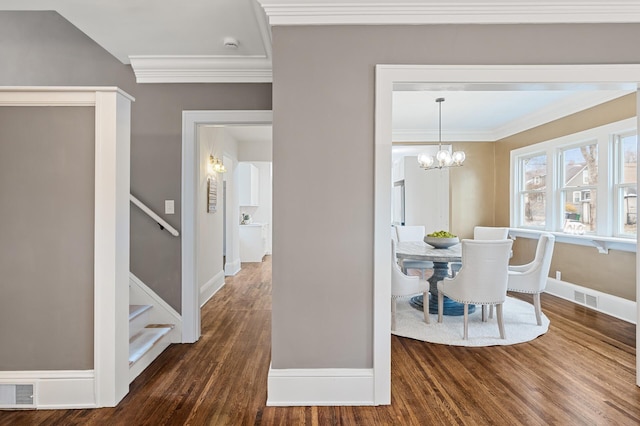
443	157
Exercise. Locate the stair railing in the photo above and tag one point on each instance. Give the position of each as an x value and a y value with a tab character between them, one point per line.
160	221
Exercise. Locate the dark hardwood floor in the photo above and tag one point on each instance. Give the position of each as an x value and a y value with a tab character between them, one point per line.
582	372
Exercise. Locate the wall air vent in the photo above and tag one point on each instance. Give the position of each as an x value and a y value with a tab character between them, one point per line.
585	299
591	300
17	395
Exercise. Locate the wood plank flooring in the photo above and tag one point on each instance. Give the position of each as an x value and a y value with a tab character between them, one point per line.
582	372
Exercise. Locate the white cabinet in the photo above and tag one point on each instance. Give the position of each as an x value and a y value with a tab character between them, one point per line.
249	183
253	242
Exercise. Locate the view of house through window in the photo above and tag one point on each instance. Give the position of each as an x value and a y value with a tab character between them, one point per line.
584	183
580	177
626	183
533	197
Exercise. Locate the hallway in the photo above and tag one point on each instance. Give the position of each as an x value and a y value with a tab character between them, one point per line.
581	372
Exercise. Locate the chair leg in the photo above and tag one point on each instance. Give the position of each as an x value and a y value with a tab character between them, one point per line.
536	304
425	304
484	313
500	321
490	311
466	321
393	314
440	305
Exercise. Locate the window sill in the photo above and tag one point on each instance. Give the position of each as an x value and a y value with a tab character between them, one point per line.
602	244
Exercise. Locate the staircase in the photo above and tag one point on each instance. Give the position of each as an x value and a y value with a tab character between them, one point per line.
146	341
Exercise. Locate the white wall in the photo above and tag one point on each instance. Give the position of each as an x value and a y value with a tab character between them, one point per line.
232	249
209	235
254	151
426	196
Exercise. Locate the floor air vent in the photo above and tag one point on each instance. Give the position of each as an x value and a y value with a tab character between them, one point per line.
17	395
578	296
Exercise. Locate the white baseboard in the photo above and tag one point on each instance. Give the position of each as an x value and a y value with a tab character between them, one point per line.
55	390
162	312
232	268
211	287
320	386
615	306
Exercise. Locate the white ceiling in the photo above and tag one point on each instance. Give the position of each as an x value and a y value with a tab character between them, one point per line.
250	133
484	115
173	40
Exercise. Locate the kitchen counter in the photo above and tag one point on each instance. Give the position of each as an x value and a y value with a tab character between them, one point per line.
253	242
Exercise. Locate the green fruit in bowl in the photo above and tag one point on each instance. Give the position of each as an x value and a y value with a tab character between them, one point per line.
441	234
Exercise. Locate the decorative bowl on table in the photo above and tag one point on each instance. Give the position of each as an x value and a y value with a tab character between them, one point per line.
440	242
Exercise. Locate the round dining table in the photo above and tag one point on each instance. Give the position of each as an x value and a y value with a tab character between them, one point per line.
441	258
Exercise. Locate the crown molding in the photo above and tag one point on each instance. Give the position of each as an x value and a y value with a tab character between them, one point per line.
354	12
201	69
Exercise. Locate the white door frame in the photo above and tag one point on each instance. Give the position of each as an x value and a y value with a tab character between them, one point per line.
190	122
464	77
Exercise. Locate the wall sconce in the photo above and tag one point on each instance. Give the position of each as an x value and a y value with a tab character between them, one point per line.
215	165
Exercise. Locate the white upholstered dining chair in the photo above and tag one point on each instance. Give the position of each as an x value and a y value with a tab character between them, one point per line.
412	233
532	277
484	233
404	286
490	233
481	281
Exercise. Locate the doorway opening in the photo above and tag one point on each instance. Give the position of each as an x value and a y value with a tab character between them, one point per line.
460	78
193	123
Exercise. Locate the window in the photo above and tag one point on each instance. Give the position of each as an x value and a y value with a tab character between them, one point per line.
577	196
580	170
532	194
625	183
587	178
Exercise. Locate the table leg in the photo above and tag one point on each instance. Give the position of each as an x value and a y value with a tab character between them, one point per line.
440	271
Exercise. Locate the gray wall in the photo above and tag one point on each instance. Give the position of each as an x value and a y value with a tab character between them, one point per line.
322	263
42	48
46	248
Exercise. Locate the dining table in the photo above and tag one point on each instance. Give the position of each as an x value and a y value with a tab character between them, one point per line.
441	258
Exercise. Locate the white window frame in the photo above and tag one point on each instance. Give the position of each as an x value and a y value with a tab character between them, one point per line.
564	191
606	235
618	185
519	180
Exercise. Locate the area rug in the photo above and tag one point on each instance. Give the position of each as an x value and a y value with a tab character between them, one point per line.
519	324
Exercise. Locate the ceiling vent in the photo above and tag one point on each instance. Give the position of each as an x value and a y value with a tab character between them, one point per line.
17	395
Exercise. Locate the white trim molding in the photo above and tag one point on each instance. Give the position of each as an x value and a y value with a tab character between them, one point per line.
111	227
381	12
320	386
614	306
162	312
232	268
462	77
72	389
211	287
201	69
190	122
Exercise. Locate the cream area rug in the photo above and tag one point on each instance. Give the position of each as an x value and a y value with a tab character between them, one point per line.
519	324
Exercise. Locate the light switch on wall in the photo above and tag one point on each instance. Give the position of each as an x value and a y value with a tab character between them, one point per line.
169	207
